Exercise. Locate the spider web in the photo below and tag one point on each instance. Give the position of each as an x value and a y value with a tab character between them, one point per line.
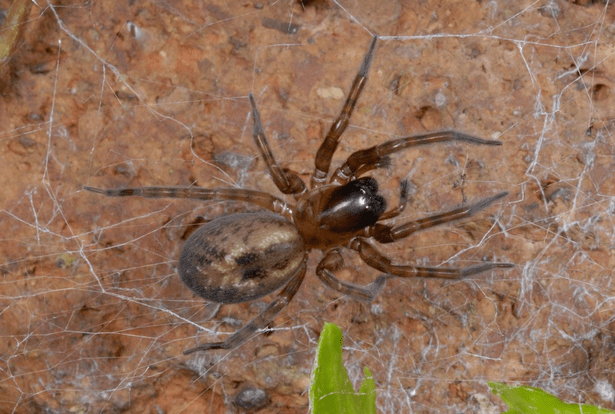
93	316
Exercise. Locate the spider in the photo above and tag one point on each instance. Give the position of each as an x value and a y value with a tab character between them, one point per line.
245	256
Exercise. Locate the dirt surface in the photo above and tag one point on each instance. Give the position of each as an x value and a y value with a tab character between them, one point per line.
93	317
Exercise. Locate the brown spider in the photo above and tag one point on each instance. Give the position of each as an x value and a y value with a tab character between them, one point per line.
242	257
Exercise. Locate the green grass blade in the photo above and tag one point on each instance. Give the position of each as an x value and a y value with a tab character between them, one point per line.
530	400
331	391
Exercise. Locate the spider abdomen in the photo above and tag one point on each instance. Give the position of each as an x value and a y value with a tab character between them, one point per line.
241	257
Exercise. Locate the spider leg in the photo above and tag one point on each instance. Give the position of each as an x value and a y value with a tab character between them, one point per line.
327	148
331	263
378	261
403	202
287	181
262	320
362	161
387	234
235	194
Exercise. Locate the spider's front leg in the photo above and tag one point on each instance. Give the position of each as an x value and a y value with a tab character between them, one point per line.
387	234
360	162
262	320
333	262
287	181
329	145
378	261
403	202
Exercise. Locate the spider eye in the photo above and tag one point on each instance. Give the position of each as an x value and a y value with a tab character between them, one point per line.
353	206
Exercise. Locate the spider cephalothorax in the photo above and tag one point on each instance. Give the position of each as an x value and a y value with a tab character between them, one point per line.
241	257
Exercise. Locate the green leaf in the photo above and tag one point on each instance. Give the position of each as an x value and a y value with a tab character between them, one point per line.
530	400
331	391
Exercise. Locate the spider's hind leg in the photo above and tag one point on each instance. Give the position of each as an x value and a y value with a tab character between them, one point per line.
261	321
